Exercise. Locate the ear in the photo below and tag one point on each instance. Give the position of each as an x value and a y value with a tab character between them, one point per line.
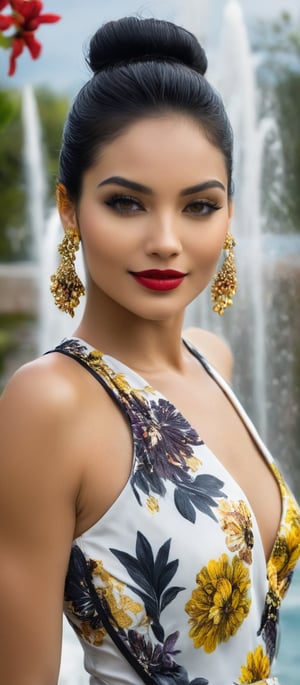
66	208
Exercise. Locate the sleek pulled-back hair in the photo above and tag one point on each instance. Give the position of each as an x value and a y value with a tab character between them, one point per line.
142	68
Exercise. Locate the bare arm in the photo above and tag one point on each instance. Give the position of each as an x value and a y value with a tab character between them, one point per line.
213	348
38	489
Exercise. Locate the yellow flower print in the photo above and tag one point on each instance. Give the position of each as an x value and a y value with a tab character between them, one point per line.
83	629
94	637
152	504
122	607
193	463
283	561
236	522
280	480
220	603
292	517
114	380
96	362
257	667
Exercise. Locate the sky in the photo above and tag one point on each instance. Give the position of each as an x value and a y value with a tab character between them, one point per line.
61	65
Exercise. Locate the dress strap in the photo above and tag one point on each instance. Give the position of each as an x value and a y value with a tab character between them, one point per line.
76	351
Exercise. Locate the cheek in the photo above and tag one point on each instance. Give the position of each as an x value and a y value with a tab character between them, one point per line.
95	234
208	247
207	251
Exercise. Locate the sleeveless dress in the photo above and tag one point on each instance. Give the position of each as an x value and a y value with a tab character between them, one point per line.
171	586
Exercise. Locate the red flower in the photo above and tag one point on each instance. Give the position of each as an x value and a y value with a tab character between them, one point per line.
27	39
28	14
6	22
17	49
26	18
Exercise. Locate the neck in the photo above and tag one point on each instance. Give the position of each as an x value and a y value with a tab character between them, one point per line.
144	345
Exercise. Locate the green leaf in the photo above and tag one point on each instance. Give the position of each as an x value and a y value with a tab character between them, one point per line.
5	41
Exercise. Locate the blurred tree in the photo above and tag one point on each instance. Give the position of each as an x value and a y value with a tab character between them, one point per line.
53	110
15	234
6	109
12	192
278	44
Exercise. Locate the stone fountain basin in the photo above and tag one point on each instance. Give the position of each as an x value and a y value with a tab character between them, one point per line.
19	288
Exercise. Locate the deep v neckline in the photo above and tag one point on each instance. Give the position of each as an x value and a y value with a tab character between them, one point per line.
262	449
230	395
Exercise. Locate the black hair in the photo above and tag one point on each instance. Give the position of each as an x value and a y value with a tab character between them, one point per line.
142	68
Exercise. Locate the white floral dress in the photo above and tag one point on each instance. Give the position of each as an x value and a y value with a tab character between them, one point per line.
171	586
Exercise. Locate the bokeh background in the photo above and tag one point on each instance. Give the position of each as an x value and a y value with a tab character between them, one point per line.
253	48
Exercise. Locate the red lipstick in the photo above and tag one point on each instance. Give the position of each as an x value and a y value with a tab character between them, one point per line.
159	279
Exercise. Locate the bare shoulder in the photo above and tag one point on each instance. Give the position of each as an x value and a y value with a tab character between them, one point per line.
215	349
41	412
51	408
37	409
49	386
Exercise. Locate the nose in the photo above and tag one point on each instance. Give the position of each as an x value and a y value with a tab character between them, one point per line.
163	239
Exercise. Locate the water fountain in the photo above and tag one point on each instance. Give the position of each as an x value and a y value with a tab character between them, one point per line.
260	333
47	231
234	78
34	169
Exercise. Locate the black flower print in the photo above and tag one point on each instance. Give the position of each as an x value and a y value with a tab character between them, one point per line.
164	441
280	572
89	606
152	577
199	493
164	444
164	431
80	592
73	346
158	660
269	623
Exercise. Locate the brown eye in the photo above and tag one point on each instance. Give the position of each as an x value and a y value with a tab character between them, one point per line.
201	207
124	204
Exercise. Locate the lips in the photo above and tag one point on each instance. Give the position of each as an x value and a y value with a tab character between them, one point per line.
159	279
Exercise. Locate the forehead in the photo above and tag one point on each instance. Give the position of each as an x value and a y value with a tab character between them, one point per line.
170	146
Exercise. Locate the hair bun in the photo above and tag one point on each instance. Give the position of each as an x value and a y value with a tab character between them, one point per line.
135	40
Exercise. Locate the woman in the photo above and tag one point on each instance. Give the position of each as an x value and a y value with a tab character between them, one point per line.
171	567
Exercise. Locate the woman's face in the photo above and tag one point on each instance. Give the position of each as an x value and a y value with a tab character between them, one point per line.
153	215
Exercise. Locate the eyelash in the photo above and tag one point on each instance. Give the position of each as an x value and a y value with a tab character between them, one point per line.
209	205
116	201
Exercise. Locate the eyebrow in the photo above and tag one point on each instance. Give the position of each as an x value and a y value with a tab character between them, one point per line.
203	186
140	188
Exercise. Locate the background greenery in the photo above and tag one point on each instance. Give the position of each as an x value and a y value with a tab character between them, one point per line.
278	73
14	229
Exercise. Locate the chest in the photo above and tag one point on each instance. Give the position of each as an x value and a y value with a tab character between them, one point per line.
203	405
201	401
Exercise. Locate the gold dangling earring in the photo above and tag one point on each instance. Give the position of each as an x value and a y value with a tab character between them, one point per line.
66	286
225	282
